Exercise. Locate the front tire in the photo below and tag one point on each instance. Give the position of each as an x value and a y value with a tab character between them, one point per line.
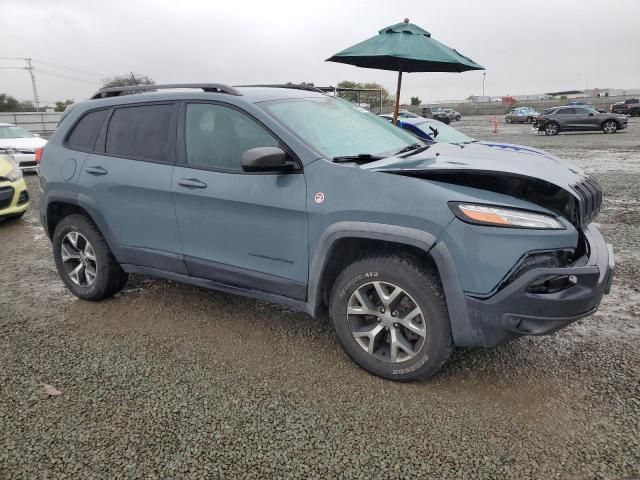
84	261
391	318
610	126
552	128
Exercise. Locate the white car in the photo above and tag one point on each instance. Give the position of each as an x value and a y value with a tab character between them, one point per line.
23	142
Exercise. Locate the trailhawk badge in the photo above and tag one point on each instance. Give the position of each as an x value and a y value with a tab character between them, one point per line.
319	198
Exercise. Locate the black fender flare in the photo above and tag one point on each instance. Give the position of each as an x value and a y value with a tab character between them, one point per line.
461	327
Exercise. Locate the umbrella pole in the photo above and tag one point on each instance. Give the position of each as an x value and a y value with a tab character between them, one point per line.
395	112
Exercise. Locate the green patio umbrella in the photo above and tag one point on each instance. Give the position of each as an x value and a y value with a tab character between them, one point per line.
405	47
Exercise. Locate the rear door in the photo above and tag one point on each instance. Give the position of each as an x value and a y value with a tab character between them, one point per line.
240	229
566	118
127	180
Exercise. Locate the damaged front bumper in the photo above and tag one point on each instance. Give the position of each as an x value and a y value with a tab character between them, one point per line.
523	308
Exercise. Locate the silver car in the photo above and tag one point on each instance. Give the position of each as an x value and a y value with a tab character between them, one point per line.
579	118
453	114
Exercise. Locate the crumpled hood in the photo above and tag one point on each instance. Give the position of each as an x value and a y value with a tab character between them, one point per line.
486	157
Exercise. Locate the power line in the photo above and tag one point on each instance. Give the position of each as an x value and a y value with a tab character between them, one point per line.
71	69
28	68
67	77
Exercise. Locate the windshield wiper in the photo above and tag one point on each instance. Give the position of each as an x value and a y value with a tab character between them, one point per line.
413	151
409	148
361	157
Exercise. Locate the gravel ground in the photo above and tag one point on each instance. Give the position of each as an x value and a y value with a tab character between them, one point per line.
172	381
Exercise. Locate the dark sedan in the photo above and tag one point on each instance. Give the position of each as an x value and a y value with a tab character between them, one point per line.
579	118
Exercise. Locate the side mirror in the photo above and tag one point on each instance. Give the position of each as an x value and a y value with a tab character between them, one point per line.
266	159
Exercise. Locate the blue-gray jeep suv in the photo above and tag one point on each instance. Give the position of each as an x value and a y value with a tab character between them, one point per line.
296	197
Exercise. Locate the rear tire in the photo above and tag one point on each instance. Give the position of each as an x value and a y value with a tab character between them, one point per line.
88	268
529	119
508	120
552	128
610	126
458	117
405	347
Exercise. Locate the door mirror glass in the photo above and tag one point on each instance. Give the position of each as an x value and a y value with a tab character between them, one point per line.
266	159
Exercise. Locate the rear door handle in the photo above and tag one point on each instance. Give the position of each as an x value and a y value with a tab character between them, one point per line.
191	183
96	171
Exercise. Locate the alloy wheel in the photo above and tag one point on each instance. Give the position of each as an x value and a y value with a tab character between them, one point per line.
386	322
551	129
79	259
610	127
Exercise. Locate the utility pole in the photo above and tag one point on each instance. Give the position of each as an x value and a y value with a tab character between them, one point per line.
484	75
29	68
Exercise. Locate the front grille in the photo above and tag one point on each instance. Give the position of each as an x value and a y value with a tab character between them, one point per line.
6	195
23	197
589	199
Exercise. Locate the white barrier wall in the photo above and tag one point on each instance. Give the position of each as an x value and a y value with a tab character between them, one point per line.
36	122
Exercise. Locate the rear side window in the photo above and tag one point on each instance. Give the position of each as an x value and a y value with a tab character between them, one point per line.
84	134
140	132
566	111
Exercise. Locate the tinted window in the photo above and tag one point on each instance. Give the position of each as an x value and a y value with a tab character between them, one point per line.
566	111
583	111
217	136
140	132
85	133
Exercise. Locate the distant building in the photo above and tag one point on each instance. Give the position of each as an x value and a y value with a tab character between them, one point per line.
566	94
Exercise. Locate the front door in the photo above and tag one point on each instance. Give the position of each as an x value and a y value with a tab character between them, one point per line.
585	119
239	229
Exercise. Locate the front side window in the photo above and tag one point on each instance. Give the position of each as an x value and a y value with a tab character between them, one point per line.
336	127
85	133
141	132
10	132
216	136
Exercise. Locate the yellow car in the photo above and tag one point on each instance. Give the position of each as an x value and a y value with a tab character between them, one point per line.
14	198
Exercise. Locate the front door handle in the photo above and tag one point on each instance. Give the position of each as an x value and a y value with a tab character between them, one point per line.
96	170
191	183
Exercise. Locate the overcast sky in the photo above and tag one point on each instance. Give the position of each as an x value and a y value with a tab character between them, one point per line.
525	46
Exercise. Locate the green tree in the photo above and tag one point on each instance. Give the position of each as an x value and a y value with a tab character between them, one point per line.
61	106
372	98
127	80
415	101
10	104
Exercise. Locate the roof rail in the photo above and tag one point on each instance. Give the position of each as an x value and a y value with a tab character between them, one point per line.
206	87
295	86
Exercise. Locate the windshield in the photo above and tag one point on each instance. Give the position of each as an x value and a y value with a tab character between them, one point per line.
336	127
14	132
446	134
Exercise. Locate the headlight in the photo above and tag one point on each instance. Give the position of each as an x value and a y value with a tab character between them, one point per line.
504	217
14	174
